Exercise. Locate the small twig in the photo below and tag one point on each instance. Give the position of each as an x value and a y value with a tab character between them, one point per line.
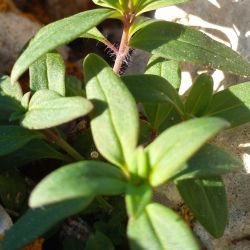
54	137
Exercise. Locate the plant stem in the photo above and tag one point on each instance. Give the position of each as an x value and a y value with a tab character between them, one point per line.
124	48
56	138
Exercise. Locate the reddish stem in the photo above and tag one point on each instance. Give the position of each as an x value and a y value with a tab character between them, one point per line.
124	48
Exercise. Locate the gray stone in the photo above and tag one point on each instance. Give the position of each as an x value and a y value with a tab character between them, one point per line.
16	30
5	221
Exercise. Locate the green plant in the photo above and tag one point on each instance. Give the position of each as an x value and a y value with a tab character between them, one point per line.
173	131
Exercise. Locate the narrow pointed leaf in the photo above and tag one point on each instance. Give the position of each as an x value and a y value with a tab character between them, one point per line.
148	5
115	125
160	228
35	222
175	146
31	152
94	33
114	4
13	138
153	89
82	179
209	161
200	96
56	34
49	109
48	72
139	23
206	199
232	104
181	43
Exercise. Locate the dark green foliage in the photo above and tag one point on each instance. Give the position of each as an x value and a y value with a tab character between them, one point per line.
114	139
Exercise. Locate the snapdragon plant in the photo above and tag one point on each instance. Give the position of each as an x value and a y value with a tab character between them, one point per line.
134	161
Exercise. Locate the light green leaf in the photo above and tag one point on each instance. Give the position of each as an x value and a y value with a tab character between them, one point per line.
232	104
139	23
94	33
48	72
48	109
181	43
200	96
81	179
176	145
13	138
55	34
168	69
206	199
114	4
208	161
7	89
153	89
137	198
148	5
31	152
139	168
35	222
159	228
115	125
10	97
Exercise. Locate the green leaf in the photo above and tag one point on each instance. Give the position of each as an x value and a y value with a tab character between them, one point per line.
31	152
200	96
94	33
157	113
49	109
81	179
99	241
10	90
74	87
116	124
176	145
13	138
137	198
168	69
181	43
114	4
10	97
160	228
55	34
208	161
153	89
35	222
139	23
232	104
48	72
148	5
139	168
206	199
